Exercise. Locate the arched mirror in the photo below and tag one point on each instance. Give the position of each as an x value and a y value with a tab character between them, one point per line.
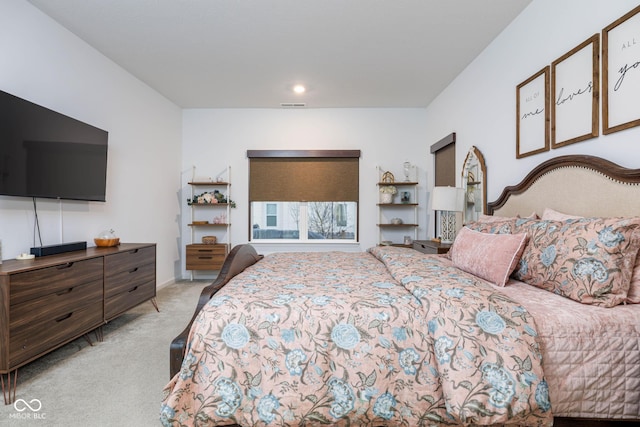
474	181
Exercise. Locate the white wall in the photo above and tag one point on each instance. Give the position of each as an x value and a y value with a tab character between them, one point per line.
46	64
215	138
480	104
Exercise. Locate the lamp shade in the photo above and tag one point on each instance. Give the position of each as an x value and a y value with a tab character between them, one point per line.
447	199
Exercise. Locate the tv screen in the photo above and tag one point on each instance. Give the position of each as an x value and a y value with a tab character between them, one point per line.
47	154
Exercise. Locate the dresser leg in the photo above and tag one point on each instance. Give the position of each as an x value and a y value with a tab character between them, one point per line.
87	338
155	304
99	334
9	390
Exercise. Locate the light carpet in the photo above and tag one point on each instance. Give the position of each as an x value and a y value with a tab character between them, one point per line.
116	382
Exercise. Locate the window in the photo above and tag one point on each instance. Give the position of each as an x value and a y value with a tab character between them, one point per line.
304	195
272	215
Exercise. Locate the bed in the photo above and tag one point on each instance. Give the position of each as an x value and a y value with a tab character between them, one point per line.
392	336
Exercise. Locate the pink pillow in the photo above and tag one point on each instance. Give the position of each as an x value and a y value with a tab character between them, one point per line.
590	260
552	215
491	257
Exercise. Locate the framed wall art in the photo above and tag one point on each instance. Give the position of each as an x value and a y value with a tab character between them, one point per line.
532	114
574	87
621	73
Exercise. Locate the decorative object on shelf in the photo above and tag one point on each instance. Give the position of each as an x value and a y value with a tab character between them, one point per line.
471	197
408	241
386	193
220	219
209	240
388	177
210	198
387	242
406	168
447	200
396	221
107	238
405	197
200	222
471	178
202	179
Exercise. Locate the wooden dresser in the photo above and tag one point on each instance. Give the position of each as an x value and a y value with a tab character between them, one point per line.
49	301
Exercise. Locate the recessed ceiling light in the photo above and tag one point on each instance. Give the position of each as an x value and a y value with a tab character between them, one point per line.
299	89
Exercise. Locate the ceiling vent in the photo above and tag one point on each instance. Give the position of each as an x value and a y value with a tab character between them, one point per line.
293	104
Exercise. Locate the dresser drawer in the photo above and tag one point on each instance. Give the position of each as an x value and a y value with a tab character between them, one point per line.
31	340
123	301
125	280
53	306
46	281
127	261
205	257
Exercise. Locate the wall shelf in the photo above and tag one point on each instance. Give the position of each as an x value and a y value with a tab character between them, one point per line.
199	256
407	211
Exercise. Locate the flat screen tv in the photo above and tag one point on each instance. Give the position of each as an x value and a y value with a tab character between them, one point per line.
47	154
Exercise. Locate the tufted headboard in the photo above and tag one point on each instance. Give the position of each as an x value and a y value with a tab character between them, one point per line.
576	185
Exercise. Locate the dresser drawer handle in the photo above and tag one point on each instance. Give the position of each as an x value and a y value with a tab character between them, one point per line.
65	317
205	250
134	251
133	290
64	291
133	271
63	266
205	257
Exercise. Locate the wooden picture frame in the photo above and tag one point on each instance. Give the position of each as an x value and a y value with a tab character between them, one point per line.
621	73
575	89
532	114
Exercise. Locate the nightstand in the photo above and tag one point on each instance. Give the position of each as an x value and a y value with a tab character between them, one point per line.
431	247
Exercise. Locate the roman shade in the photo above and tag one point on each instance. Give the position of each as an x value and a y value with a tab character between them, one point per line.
303	175
445	161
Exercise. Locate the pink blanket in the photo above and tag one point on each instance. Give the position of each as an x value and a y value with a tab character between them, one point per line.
391	337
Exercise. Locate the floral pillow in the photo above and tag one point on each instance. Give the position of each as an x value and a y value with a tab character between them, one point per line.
589	260
503	226
491	257
633	296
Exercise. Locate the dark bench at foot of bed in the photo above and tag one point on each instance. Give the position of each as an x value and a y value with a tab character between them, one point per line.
240	257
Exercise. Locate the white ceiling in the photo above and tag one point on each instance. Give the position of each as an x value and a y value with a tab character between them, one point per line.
249	53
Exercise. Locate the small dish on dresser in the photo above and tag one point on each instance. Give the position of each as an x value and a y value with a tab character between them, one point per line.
386	243
107	243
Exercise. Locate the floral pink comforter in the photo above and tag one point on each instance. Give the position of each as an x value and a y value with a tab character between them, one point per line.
388	337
